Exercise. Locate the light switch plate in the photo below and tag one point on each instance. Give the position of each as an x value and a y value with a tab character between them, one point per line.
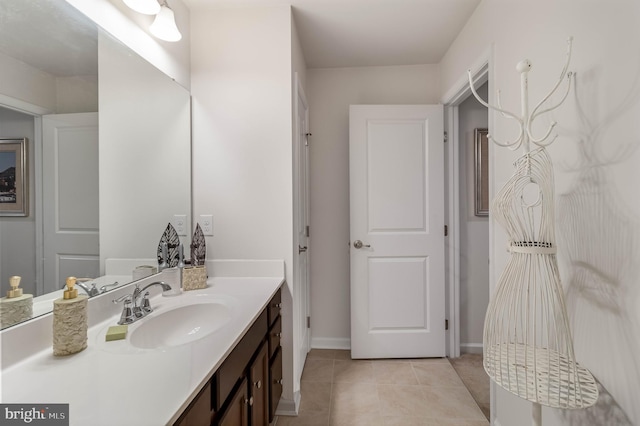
180	224
206	223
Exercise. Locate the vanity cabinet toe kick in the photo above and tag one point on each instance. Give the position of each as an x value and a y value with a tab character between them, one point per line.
246	389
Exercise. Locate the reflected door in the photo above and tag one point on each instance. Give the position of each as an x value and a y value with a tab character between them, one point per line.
396	168
70	198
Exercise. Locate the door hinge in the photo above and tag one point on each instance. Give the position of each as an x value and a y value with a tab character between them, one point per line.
308	322
446	137
307	231
446	230
446	324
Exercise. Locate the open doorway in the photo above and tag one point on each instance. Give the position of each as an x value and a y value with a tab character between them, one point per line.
473	223
469	243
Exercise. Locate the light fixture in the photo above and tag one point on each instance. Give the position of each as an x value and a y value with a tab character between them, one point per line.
147	7
164	26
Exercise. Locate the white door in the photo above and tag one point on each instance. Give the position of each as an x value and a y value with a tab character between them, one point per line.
396	169
302	220
70	197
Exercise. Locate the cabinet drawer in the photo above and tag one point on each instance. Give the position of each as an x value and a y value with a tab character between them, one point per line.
274	336
275	306
235	364
275	381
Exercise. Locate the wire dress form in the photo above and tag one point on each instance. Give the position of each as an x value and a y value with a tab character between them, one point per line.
528	348
528	344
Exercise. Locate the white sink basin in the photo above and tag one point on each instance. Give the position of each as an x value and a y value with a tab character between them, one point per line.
179	325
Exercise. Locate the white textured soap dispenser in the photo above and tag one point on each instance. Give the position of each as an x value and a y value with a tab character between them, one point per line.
16	307
70	321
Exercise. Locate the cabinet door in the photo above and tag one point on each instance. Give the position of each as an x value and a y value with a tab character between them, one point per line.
259	388
199	412
237	413
275	383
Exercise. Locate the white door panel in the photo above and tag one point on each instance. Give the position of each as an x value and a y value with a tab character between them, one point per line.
397	211
70	197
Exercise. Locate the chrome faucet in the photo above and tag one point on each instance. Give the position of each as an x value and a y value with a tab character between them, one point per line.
134	309
93	291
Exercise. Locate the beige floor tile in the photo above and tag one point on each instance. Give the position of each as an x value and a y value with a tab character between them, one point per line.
322	353
450	402
403	421
354	404
318	370
315	396
436	374
402	400
340	354
394	372
305	419
454	422
353	371
428	360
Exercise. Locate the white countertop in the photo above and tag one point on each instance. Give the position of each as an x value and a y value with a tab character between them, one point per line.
112	383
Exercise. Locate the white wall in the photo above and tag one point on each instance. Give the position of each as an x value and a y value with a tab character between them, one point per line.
330	92
474	230
242	140
18	234
596	162
21	82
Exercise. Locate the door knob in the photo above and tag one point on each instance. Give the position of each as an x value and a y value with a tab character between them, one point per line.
301	249
358	244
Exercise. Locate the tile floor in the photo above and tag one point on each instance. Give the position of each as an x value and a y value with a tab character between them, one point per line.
338	391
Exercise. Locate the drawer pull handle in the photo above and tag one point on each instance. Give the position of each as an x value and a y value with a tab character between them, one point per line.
278	382
277	305
249	402
258	384
278	335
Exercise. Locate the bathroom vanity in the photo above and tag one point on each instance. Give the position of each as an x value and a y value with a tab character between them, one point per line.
245	390
225	372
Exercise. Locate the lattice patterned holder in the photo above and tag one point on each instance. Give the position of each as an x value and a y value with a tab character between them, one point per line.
194	277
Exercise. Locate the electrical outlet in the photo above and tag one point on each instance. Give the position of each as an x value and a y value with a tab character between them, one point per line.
206	223
180	224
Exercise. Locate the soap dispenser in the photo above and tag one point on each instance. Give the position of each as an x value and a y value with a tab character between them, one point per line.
70	321
16	307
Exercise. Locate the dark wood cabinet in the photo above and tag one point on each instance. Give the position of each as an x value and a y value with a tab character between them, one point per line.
199	412
237	412
259	388
275	379
246	389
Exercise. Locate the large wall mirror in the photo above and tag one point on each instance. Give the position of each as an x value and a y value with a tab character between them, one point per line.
108	151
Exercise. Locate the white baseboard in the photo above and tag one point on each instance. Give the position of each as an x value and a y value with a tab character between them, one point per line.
288	407
330	343
471	348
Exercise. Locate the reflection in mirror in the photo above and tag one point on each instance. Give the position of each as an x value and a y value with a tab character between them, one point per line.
114	186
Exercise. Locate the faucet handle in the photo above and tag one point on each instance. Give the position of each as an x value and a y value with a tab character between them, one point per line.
126	299
145	305
127	316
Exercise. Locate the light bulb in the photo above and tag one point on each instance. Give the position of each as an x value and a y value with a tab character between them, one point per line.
164	26
147	7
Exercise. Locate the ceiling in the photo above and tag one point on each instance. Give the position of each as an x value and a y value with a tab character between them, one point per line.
49	35
359	33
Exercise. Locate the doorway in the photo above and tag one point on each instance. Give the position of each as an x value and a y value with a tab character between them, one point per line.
473	224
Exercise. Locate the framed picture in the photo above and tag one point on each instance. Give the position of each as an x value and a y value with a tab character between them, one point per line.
14	178
481	172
